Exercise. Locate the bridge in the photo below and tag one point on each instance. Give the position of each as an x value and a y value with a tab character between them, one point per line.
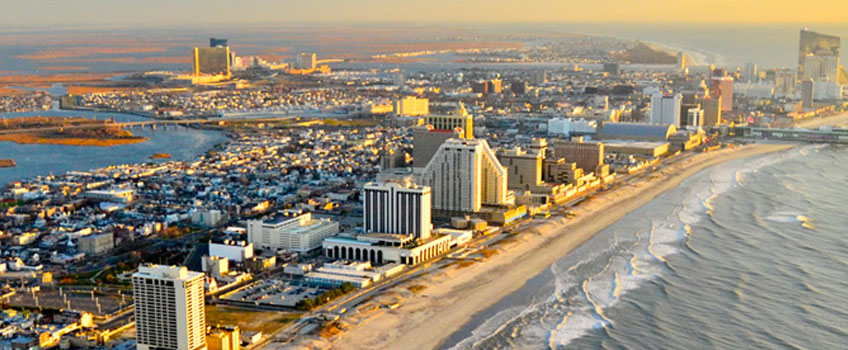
154	123
822	135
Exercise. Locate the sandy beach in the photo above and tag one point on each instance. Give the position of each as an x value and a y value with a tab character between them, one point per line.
440	304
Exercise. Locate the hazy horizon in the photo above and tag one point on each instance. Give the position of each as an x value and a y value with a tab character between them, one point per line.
189	13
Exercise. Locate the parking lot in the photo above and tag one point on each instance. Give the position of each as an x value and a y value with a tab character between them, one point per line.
275	292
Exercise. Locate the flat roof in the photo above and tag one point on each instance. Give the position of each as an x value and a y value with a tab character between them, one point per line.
347	240
387	237
629	143
337	277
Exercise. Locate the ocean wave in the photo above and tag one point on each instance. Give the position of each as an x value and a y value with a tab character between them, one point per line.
583	291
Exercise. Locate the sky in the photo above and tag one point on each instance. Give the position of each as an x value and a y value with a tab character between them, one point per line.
156	13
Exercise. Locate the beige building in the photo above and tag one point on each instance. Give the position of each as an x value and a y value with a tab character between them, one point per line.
524	168
215	265
587	155
464	175
223	338
299	233
462	120
411	106
169	308
712	111
96	244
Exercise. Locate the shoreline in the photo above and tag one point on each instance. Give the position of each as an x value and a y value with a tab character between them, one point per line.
475	288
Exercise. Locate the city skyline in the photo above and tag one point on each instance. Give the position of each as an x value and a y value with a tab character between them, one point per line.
210	175
157	13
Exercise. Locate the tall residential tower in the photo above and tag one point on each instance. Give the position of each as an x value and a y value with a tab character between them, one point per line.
169	308
397	208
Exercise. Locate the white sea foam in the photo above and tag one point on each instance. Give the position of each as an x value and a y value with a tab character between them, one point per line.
579	302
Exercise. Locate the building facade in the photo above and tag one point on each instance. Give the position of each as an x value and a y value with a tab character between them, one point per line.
451	122
524	168
665	109
381	249
401	208
587	155
464	175
411	106
96	244
169	308
712	111
426	142
723	87
299	233
211	61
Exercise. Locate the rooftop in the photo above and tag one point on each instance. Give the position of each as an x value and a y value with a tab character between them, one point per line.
636	130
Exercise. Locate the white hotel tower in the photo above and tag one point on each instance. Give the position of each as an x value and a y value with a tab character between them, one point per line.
169	308
398	208
464	175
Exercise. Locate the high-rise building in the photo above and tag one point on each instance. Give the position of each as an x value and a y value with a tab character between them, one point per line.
300	233
169	308
518	87
682	60
213	42
524	168
211	61
495	86
830	68
460	120
411	106
464	175
306	60
712	111
690	100
480	87
750	73
436	130
538	77
426	142
665	109
398	79
587	155
813	68
723	86
784	82
695	117
807	91
812	44
397	208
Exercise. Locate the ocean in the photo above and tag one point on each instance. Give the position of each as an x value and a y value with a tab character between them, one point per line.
749	254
